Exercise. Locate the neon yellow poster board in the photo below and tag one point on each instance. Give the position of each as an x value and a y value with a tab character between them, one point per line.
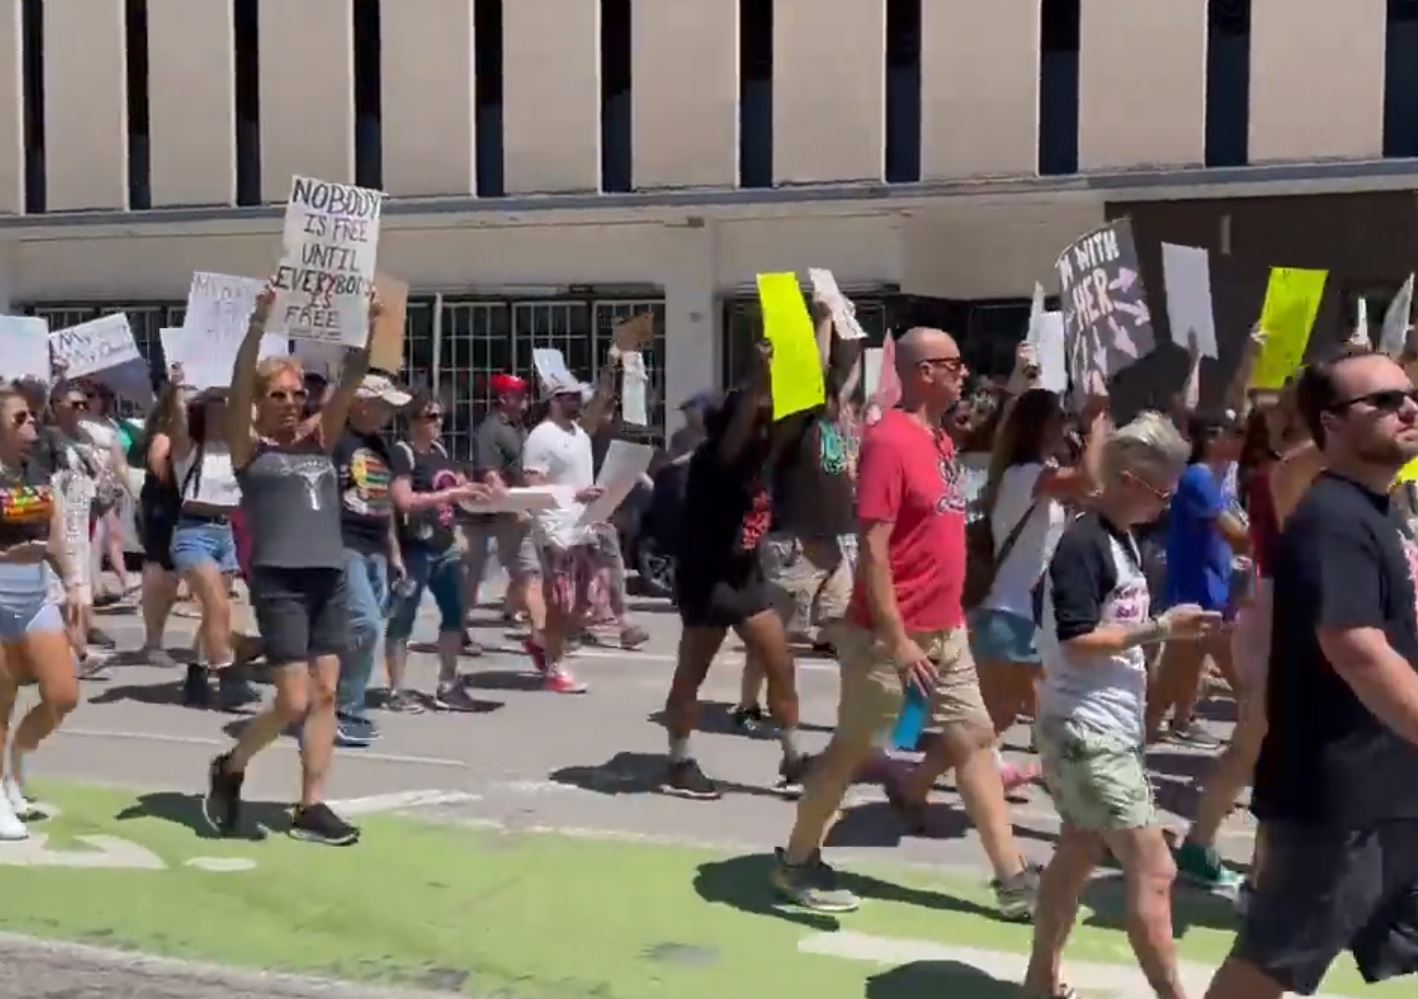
1409	472
796	368
1292	301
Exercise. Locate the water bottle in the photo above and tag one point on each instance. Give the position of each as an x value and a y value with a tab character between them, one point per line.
912	721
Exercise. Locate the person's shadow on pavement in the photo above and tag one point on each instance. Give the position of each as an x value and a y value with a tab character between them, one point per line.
258	818
938	978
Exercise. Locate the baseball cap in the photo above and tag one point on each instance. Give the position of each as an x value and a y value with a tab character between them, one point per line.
505	384
383	388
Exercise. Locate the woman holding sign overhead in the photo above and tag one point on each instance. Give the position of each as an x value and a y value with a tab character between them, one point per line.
290	499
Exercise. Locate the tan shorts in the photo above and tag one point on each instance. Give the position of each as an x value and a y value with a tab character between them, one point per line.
513	540
871	695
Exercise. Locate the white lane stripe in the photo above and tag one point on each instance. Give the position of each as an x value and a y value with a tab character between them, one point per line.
282	746
398	800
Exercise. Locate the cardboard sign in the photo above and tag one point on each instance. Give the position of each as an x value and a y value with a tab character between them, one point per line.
24	348
327	264
1107	324
552	370
635	333
796	367
205	365
1053	358
634	379
844	313
1292	301
1186	271
95	346
622	468
1394	335
219	310
1408	473
387	351
871	371
888	389
525	499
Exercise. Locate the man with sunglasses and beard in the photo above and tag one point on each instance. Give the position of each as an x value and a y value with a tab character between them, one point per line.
1335	789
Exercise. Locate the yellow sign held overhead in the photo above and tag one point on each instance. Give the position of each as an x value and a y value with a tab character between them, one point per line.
1292	301
796	367
1408	473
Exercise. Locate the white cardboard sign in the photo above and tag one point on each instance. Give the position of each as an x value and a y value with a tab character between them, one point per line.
1394	334
622	468
844	313
219	310
871	370
633	381
327	264
95	346
24	348
1053	361
553	372
1186	271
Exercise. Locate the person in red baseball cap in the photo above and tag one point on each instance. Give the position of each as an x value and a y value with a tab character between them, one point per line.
499	459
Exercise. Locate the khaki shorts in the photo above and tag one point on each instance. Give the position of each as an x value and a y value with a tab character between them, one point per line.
1098	781
515	549
871	695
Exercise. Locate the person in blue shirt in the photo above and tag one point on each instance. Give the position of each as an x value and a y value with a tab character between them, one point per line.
1204	536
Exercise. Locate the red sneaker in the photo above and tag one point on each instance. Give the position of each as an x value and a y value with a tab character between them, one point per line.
559	681
538	654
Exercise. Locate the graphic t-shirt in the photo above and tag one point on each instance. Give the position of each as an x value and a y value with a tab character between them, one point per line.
1198	558
366	508
727	512
817	498
909	478
291	500
1342	562
1095	579
562	458
428	472
26	503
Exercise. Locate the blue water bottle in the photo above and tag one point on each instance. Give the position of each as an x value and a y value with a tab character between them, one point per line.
912	721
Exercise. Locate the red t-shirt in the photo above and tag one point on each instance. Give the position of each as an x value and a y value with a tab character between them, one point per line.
909	477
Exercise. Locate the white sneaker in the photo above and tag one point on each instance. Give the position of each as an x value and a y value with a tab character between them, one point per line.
11	828
15	795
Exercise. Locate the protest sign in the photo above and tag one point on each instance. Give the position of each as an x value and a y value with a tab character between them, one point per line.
871	371
387	351
24	348
888	389
1053	359
218	315
633	381
95	346
552	370
324	359
522	499
327	264
635	333
1107	324
1036	314
1186	272
624	464
796	366
1408	473
1394	335
844	313
1292	301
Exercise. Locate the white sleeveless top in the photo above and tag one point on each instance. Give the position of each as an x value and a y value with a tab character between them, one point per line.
214	484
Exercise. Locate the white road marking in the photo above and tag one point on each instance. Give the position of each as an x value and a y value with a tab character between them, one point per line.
1121	980
399	800
221	865
107	852
282	746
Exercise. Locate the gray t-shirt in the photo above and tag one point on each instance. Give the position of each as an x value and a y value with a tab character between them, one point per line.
292	503
500	448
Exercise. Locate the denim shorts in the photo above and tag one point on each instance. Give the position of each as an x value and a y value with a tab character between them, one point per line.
441	573
27	602
198	542
998	636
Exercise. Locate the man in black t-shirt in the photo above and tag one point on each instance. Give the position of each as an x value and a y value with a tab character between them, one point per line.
1337	784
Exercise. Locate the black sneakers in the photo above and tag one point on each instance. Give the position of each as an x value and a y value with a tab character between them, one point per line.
792	772
319	824
685	780
222	805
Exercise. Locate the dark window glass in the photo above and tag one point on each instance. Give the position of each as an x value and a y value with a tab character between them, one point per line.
140	192
903	90
1401	80
615	95
32	27
1058	87
487	56
368	98
755	93
248	102
1228	82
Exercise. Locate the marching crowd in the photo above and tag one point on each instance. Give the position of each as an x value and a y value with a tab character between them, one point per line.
971	553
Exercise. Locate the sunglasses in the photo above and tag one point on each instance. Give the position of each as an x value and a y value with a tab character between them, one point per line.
1163	495
77	404
22	417
952	364
431	417
281	396
1385	401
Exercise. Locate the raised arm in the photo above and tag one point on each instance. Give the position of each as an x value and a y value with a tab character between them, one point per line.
243	383
174	415
337	408
746	405
1236	394
603	402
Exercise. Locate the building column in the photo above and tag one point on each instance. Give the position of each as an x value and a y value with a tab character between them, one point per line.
693	324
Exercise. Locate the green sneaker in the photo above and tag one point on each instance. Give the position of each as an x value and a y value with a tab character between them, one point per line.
1202	866
812	885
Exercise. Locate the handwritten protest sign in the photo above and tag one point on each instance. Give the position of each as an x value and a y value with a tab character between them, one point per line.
796	367
387	351
24	348
218	314
1053	359
327	266
1292	301
1186	271
622	468
635	333
871	371
95	346
551	367
1394	335
634	378
1408	473
844	313
1107	324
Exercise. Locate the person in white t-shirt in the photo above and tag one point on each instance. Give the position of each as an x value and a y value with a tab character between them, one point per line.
1025	496
575	574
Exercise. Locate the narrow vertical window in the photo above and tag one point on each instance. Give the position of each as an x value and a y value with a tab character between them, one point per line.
615	95
32	28
140	191
1401	80
248	102
1228	82
903	91
487	57
755	93
368	98
1058	87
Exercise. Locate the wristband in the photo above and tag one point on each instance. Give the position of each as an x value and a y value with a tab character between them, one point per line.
1152	631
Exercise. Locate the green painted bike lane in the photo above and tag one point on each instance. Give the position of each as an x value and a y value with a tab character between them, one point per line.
528	915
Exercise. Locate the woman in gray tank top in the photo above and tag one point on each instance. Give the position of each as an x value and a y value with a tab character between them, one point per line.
289	498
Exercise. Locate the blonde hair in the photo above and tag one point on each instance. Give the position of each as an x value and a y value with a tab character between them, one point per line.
1150	442
272	368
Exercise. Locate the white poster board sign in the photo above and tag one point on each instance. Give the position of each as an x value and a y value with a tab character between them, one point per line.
24	348
219	310
327	264
1049	344
844	313
1186	271
95	346
523	499
1394	334
625	463
553	372
634	380
871	371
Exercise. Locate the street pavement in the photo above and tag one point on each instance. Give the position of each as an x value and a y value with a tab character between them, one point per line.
523	851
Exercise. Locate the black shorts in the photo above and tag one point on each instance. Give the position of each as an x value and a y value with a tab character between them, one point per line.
301	613
156	529
1323	891
721	603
